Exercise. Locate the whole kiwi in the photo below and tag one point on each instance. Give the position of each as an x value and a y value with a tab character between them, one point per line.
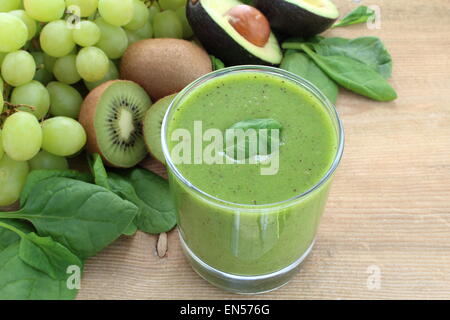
164	66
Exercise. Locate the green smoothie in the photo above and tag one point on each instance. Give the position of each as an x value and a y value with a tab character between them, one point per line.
251	234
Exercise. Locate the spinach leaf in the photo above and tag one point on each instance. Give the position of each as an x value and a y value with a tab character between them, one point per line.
237	149
303	66
353	75
44	254
359	15
7	237
155	214
124	189
257	124
98	170
368	50
39	175
20	281
101	179
47	255
150	193
131	229
295	43
83	217
217	63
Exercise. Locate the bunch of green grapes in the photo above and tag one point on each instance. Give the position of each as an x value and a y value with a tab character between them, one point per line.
52	53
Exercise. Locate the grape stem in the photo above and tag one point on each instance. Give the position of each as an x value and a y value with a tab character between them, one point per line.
9	104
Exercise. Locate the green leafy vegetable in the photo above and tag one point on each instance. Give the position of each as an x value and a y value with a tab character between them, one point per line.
44	254
8	237
47	255
131	229
83	217
353	75
101	179
236	149
150	193
217	63
303	66
360	15
295	43
98	170
39	175
368	50
20	281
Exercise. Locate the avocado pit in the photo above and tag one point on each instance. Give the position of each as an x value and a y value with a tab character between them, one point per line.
250	23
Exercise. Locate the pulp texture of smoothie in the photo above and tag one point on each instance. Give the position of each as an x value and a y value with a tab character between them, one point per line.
248	226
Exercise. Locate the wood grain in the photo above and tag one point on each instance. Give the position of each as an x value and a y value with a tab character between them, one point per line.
389	209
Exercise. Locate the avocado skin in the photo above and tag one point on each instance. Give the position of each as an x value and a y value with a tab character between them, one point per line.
292	20
216	40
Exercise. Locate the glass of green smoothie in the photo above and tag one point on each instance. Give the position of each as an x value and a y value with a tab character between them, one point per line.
247	223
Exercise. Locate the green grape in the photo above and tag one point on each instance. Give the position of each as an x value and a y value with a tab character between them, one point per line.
116	12
86	34
86	7
33	94
112	74
56	39
171	4
92	64
140	16
29	22
49	62
2	102
13	175
167	25
1	96
42	75
132	37
113	40
187	30
18	68
45	10
2	57
47	161
21	136
153	10
65	100
155	5
65	69
63	136
2	152
146	32
9	5
13	33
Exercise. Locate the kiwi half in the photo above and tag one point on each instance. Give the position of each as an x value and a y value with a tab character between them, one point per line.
153	125
112	116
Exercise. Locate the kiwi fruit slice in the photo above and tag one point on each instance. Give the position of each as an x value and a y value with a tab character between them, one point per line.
153	125
112	116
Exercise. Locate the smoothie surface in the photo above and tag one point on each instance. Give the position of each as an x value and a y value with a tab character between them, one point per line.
309	139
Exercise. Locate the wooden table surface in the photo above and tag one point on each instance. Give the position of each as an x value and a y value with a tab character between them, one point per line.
388	215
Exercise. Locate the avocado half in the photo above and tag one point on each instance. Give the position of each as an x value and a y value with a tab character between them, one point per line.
211	26
299	18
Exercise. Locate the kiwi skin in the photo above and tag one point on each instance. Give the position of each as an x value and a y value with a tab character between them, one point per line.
153	125
164	66
87	117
